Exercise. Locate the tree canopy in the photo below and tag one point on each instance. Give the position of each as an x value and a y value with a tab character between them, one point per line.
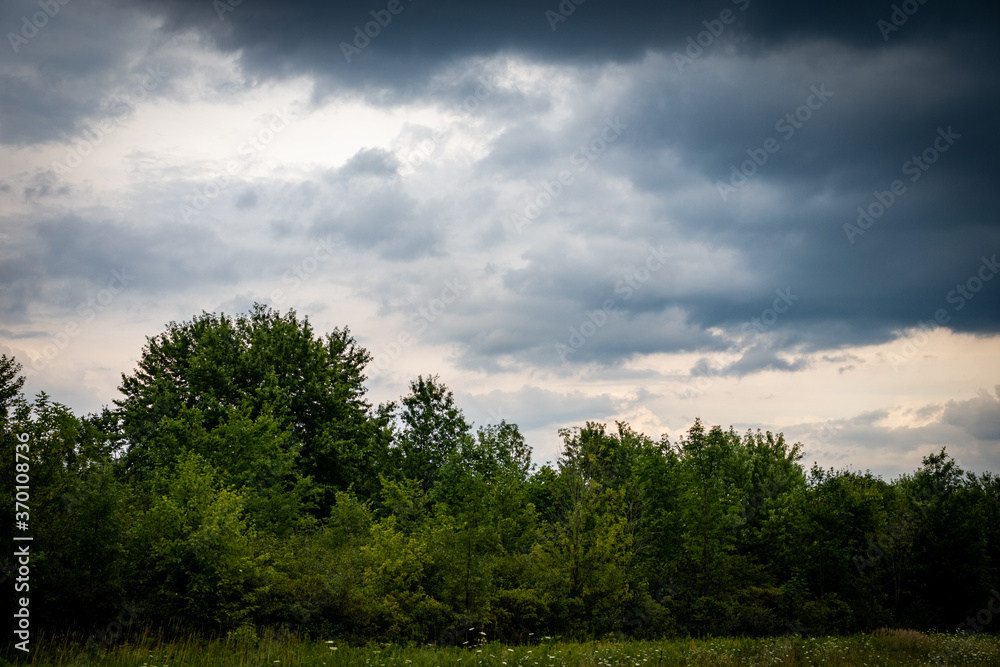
214	370
244	480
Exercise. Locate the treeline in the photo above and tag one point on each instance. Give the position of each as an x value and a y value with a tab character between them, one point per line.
243	481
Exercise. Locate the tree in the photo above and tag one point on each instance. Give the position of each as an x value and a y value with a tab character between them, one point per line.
951	560
11	382
846	515
433	428
582	559
767	474
709	461
77	509
195	553
483	487
258	458
267	366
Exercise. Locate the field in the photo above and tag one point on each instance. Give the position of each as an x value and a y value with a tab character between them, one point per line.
886	648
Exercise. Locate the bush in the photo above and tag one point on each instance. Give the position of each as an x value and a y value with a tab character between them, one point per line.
828	615
518	612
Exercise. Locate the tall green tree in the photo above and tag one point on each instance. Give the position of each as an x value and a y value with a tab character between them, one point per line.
433	428
11	383
265	364
951	560
710	464
584	555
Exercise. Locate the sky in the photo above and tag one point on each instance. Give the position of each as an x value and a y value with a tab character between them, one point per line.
766	215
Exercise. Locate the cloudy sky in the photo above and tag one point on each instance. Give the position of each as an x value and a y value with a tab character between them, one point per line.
772	215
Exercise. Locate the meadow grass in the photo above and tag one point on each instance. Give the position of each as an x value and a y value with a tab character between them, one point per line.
883	648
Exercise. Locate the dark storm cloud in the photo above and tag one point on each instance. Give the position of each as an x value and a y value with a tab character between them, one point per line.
277	37
790	216
82	64
887	112
872	104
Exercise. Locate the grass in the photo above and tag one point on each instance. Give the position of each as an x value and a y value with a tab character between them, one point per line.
882	648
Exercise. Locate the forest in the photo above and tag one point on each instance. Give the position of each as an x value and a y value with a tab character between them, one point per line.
242	481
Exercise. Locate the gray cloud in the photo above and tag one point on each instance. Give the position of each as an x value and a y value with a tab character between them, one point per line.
969	429
307	36
755	359
979	416
551	93
83	65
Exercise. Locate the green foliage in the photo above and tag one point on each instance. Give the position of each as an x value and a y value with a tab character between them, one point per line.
432	429
11	382
77	508
196	553
243	482
257	457
264	365
828	615
397	567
